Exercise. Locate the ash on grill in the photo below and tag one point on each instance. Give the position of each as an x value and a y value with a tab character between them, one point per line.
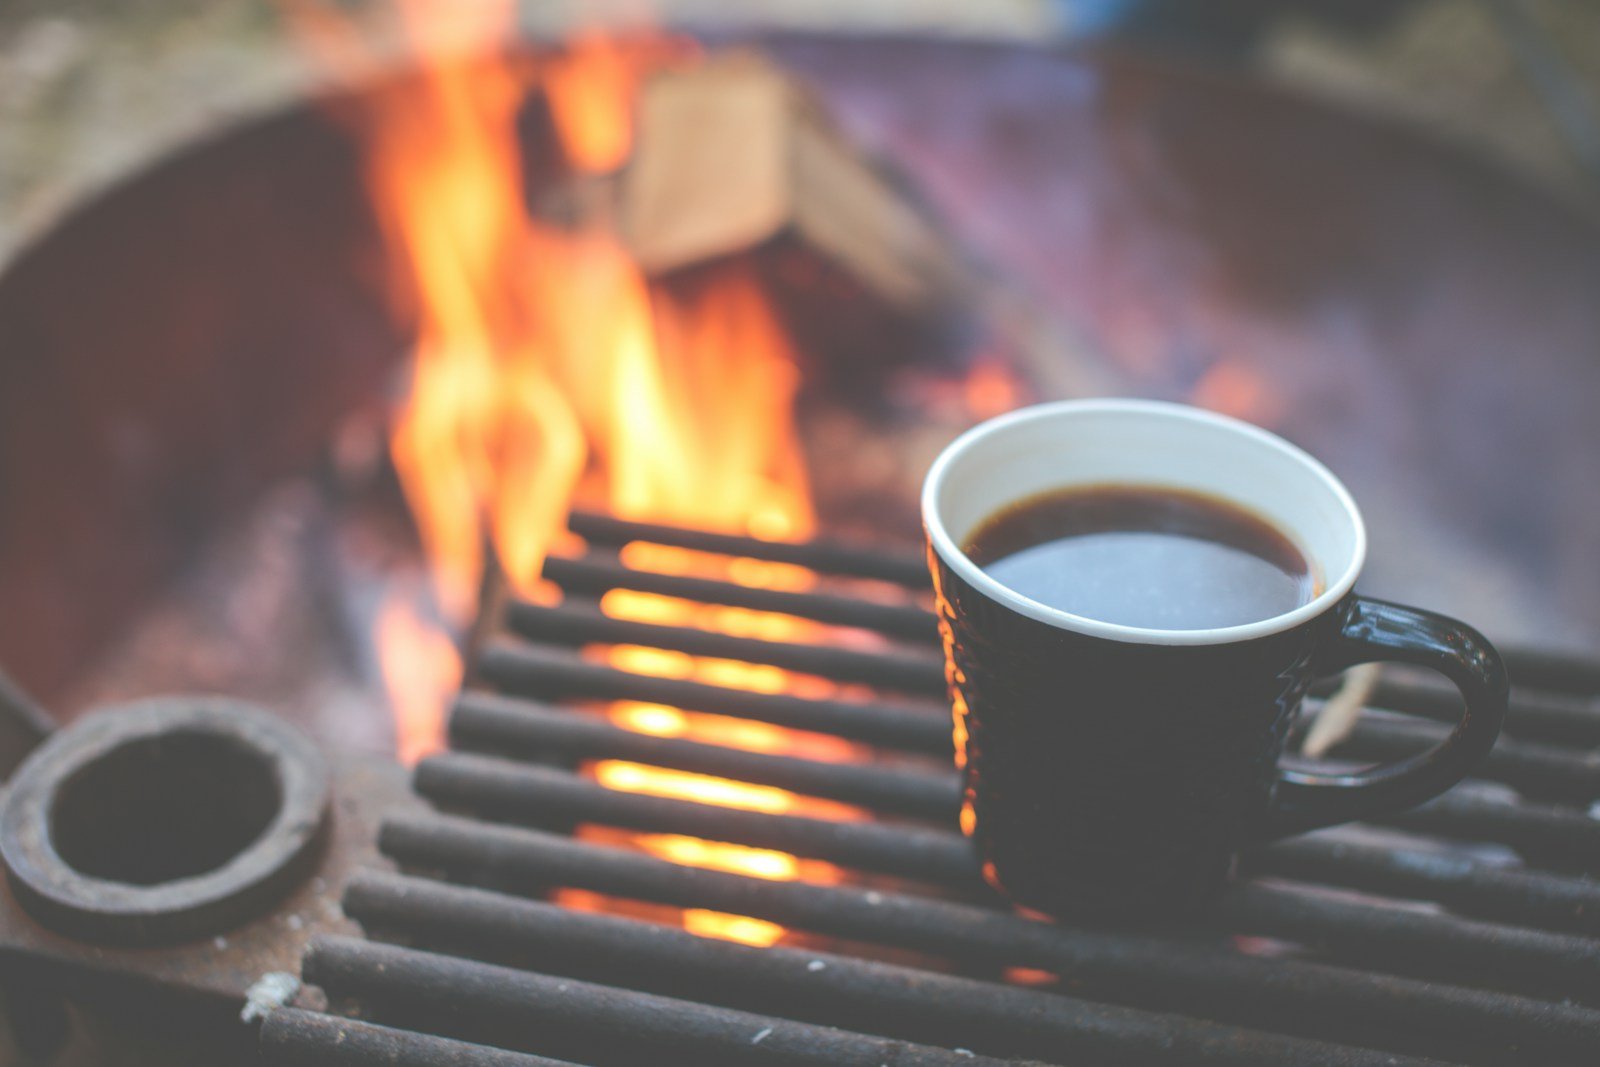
1465	931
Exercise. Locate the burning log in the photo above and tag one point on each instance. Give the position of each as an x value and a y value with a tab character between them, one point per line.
734	160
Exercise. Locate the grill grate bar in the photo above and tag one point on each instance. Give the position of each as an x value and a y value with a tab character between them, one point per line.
1421	943
534	1008
1562	672
575	622
594	576
826	557
1559	837
998	1019
1536	770
515	728
1286	996
1487	952
549	675
521	793
1550	718
294	1038
1535	898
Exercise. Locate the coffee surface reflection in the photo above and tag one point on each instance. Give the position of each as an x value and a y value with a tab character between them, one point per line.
1146	556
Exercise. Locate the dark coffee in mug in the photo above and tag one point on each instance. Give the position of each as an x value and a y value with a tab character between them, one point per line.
1151	556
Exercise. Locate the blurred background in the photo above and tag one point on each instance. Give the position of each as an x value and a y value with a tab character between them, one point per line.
89	91
1373	227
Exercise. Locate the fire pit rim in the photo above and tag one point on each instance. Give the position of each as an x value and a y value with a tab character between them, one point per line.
101	909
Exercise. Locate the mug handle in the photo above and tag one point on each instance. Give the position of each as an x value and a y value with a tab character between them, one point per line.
1371	631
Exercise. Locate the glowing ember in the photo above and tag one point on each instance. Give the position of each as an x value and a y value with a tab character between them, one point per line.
991	388
638	778
548	368
732	927
1231	388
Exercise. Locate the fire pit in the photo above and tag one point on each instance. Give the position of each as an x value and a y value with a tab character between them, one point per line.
697	797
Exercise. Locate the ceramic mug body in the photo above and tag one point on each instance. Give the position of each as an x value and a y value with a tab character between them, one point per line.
1118	770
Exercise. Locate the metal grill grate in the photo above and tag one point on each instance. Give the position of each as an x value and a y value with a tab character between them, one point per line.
1466	931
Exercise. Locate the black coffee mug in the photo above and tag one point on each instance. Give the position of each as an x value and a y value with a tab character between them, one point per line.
1117	771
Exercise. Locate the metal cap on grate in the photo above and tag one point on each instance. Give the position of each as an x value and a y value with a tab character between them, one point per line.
526	923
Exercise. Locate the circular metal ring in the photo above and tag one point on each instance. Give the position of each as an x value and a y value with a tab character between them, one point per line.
163	820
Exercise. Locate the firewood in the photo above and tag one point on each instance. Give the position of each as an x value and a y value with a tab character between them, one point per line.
733	159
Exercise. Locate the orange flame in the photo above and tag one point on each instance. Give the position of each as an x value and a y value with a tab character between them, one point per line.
421	681
591	88
547	365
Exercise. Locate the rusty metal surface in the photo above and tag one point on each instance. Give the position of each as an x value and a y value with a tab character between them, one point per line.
196	989
1468	937
304	1039
163	821
23	725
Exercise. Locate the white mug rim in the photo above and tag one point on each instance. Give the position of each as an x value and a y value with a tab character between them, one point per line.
948	551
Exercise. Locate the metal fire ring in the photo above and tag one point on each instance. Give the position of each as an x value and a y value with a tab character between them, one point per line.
103	822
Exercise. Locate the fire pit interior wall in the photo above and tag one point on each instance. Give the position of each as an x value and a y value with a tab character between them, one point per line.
170	352
206	330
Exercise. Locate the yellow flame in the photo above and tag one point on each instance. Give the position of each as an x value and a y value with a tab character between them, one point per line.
547	365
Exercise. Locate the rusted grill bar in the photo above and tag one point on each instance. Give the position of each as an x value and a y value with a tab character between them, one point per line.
555	675
921	1006
1421	943
493	724
1409	942
593	577
1536	898
501	1000
1533	769
582	622
509	792
1563	838
309	1039
1545	717
826	557
1557	671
